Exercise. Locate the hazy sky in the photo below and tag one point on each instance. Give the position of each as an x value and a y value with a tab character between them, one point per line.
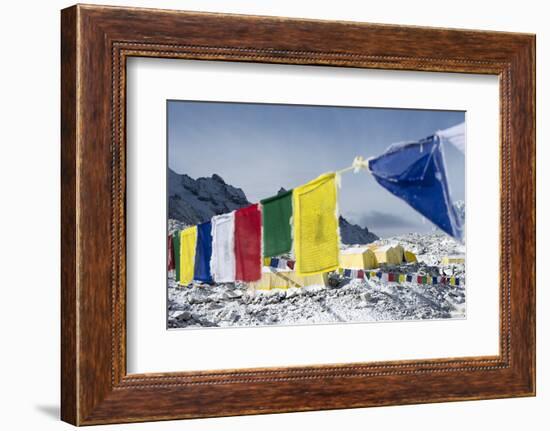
262	147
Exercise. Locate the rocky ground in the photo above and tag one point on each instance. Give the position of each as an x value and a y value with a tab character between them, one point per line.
347	300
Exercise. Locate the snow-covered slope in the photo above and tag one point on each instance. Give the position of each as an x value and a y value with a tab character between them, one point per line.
350	300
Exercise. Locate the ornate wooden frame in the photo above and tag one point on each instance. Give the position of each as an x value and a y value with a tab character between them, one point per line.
95	42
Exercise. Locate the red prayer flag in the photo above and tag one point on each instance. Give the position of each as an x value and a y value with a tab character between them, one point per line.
391	277
290	264
171	257
360	274
248	243
419	279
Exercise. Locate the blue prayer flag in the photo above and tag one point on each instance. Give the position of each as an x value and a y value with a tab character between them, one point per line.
415	172
203	253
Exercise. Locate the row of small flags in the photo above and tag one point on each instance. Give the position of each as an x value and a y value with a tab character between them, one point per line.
281	263
231	247
400	278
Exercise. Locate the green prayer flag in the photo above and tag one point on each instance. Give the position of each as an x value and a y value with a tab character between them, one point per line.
176	242
276	213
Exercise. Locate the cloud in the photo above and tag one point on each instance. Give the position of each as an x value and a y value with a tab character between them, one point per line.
386	220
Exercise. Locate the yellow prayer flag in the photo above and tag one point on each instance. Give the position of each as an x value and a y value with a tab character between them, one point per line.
188	244
316	238
402	278
453	281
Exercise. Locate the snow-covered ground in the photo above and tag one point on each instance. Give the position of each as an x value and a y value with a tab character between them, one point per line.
224	305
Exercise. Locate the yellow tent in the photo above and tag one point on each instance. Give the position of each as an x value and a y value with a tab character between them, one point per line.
390	254
410	257
283	279
453	259
358	258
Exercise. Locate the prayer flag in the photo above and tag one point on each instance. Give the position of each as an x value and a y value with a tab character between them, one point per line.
316	236
187	249
455	135
276	215
415	172
176	244
248	243
222	263
171	262
203	253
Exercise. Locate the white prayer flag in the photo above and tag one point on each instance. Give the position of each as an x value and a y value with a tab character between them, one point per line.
222	263
455	135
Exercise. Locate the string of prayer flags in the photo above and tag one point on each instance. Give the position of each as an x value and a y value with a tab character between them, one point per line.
186	254
315	222
393	277
203	253
248	243
277	235
279	263
223	263
176	247
354	273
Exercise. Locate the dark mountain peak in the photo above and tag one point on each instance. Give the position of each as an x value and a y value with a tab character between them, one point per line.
195	201
355	234
218	179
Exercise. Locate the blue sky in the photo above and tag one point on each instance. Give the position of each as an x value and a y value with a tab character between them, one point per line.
262	147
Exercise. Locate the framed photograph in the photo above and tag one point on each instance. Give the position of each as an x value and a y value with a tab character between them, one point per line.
264	215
